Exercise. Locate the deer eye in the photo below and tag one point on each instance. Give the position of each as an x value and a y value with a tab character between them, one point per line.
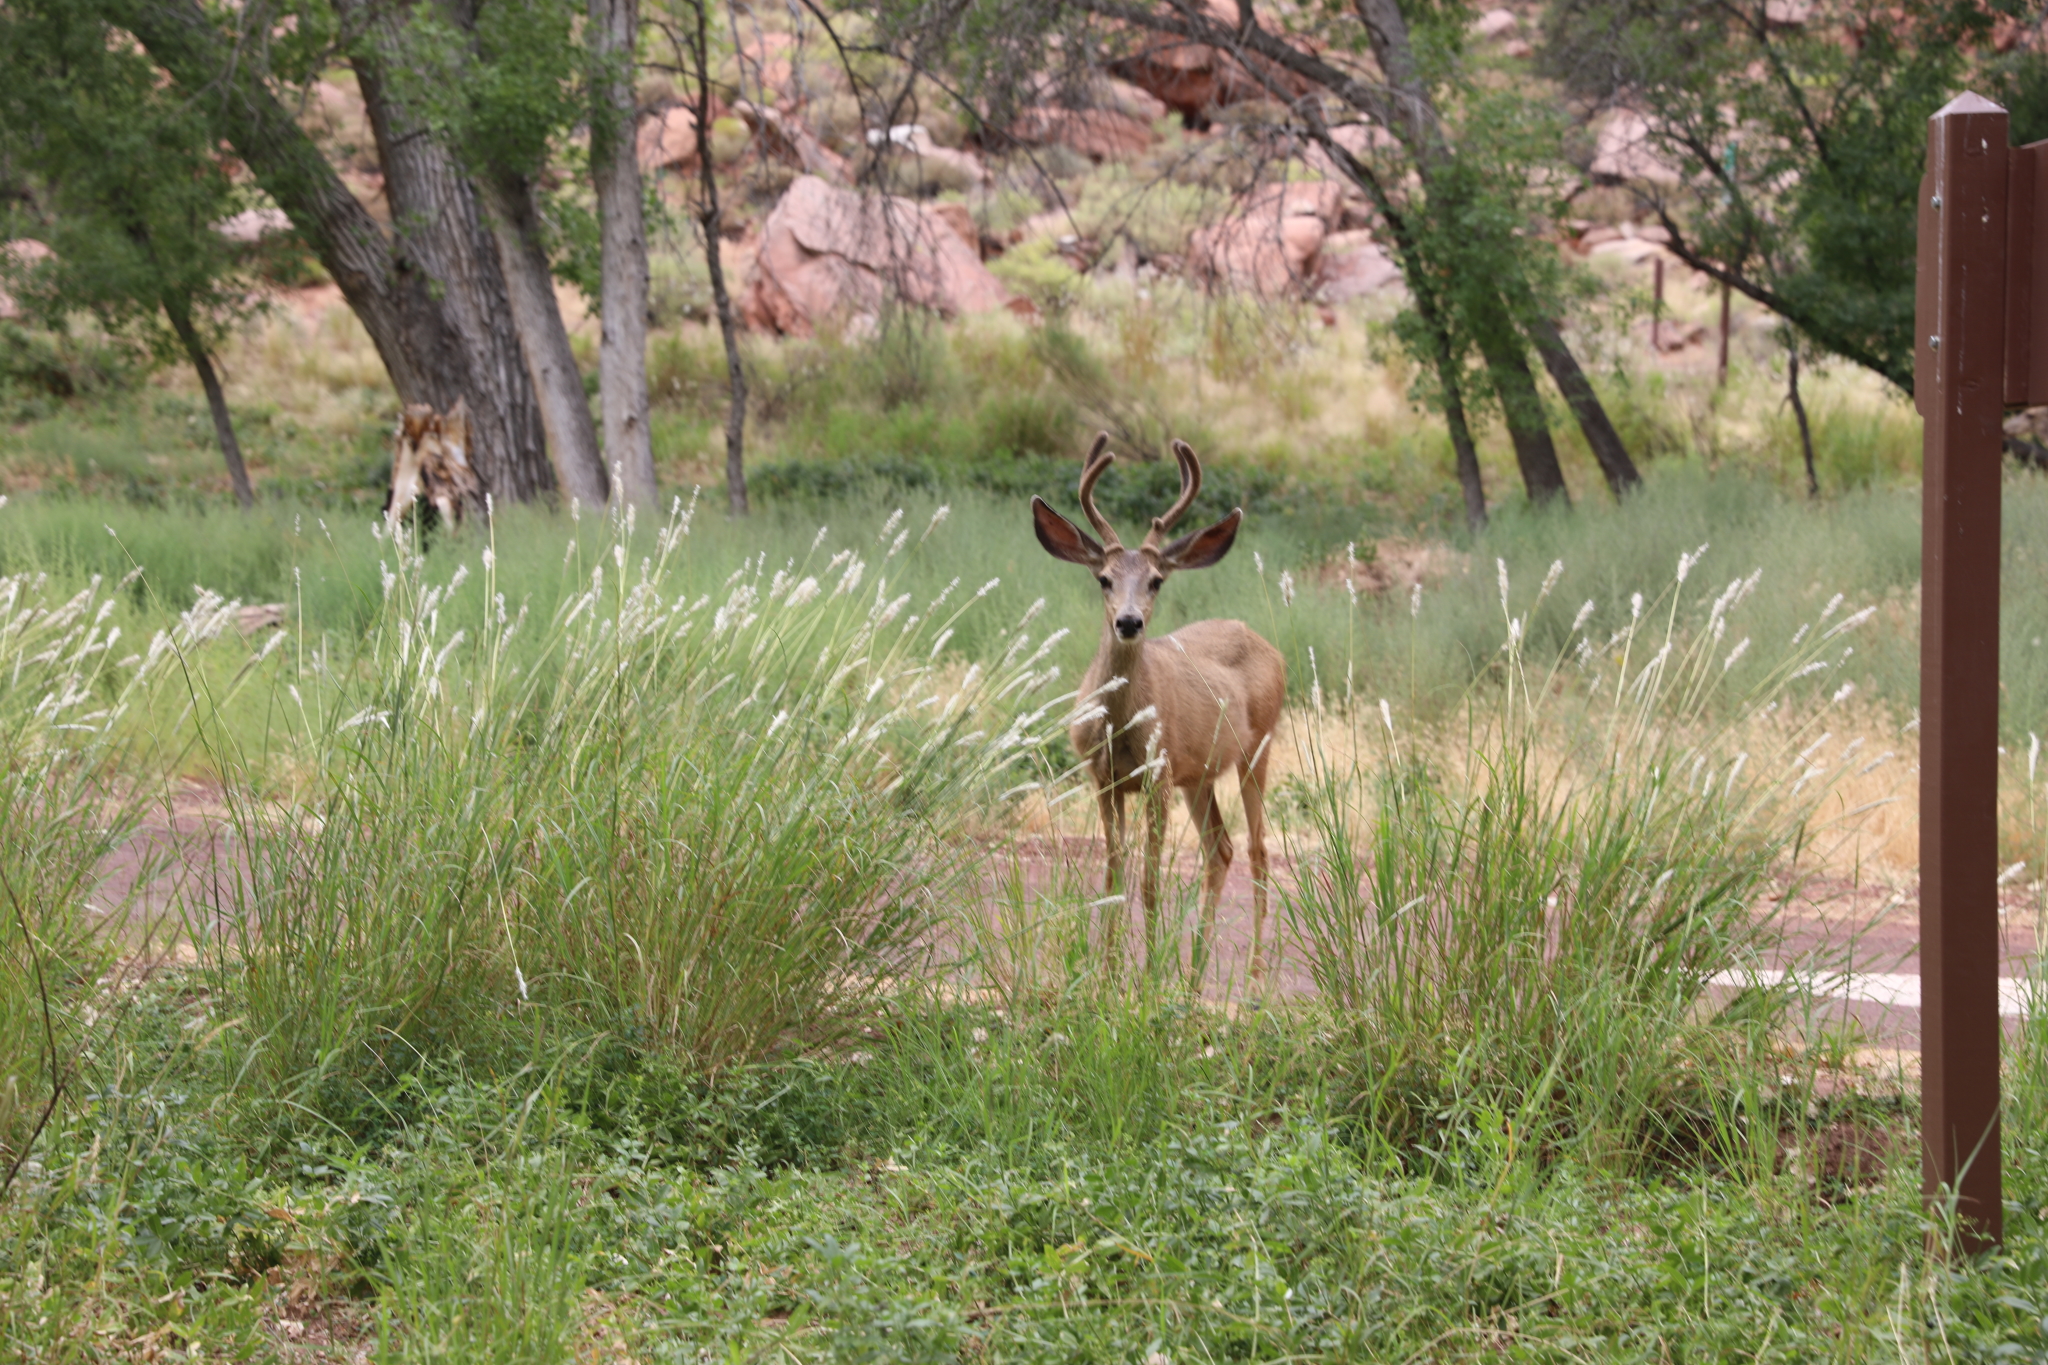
1103	579
1157	584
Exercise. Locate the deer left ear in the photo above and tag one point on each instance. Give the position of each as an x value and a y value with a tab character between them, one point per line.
1202	548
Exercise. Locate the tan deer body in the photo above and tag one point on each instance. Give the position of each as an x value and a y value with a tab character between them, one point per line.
1191	706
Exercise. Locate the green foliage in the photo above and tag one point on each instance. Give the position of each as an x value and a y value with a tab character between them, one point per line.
1800	148
125	184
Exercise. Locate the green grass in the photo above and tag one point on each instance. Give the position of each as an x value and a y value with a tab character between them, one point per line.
617	957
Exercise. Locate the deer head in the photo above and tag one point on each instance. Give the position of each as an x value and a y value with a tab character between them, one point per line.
1131	579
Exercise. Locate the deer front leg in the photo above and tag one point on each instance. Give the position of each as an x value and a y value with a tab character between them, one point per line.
1156	793
1216	854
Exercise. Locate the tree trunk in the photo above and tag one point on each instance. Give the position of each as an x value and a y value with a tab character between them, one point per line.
709	217
1469	481
1507	365
622	307
180	314
432	300
1599	431
1799	411
537	317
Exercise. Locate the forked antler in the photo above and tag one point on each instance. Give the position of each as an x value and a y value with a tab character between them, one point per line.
1190	486
1099	459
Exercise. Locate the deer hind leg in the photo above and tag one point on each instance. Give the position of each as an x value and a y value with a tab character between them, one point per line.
1251	786
1216	855
1156	794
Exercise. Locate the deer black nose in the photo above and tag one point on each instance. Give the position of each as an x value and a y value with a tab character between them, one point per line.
1130	626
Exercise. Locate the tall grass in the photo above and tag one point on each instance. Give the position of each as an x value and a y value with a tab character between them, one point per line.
67	680
1520	920
715	824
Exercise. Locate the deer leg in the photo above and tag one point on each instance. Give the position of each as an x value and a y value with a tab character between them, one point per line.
1251	787
1156	794
1109	800
1216	854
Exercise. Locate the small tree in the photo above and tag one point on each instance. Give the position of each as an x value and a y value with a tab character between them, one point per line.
127	187
1795	148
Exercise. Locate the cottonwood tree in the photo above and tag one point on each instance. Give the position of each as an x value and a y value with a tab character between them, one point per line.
1453	184
1793	148
127	186
496	83
429	292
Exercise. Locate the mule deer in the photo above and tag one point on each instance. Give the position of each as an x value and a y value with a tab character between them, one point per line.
1175	711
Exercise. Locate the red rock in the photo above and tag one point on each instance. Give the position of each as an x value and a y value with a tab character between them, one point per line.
833	254
789	142
1351	265
253	225
1270	246
1494	23
1098	134
1194	79
667	140
1622	151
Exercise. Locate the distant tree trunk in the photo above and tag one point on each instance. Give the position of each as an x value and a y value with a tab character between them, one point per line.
1599	431
180	314
709	219
1469	481
537	316
1799	411
432	297
622	308
1507	365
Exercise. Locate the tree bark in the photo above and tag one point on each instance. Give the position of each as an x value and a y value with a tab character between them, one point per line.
1521	406
180	315
1799	411
537	317
1571	381
622	306
709	219
431	299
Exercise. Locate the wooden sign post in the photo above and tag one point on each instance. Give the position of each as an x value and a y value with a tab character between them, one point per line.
1978	347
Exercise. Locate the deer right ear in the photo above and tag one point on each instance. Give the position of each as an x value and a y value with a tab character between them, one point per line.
1062	539
1204	547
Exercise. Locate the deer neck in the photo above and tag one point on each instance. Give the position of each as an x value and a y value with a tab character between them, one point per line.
1117	657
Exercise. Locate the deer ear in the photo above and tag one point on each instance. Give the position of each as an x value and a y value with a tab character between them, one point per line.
1202	548
1062	539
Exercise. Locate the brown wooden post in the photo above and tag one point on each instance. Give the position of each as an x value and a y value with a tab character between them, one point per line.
1960	388
1657	307
1721	372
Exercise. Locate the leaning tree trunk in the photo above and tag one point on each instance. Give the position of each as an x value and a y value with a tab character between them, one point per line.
709	218
537	317
432	300
179	311
621	216
1599	431
1514	384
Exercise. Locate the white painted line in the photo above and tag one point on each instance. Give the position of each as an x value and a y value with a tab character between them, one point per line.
1900	990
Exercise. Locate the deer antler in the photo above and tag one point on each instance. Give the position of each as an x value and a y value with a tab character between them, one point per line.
1099	459
1190	485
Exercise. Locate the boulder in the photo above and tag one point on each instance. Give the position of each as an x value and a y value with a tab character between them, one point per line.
832	254
1098	134
667	140
1270	245
789	142
921	161
1194	79
1351	265
1622	152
